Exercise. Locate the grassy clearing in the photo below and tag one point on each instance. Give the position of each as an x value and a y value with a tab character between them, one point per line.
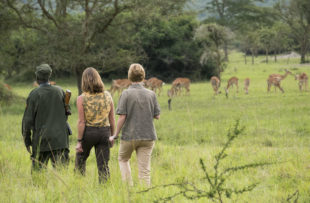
277	129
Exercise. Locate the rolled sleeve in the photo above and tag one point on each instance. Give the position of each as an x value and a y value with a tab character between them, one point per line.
122	105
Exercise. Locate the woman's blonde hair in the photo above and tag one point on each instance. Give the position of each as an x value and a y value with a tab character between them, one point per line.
136	73
91	81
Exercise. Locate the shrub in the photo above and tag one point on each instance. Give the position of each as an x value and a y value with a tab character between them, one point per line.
213	183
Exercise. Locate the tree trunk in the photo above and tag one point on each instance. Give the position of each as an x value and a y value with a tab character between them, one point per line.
275	56
218	60
303	48
303	58
252	58
266	55
79	72
245	61
9	73
226	51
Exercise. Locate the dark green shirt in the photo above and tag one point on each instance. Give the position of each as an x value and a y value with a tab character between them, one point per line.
45	117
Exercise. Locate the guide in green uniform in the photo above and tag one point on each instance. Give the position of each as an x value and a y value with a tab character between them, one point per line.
44	126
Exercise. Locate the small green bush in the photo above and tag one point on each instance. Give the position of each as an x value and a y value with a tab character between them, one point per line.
6	96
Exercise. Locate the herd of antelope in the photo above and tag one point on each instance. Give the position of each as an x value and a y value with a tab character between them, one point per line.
183	84
272	80
155	84
275	80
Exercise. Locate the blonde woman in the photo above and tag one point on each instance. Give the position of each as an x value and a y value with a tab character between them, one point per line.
137	107
96	123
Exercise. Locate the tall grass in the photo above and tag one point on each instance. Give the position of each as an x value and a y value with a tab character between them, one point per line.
277	129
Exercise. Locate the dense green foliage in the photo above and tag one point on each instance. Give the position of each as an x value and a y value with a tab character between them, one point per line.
296	14
170	47
71	35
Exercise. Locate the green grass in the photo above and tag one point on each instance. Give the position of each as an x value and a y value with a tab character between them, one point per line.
277	129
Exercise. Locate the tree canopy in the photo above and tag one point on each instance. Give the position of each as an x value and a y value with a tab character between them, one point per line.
166	37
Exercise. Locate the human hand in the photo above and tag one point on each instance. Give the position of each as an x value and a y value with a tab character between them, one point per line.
111	140
78	147
28	149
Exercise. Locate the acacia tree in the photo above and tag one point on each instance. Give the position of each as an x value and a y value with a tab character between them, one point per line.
250	42
235	13
212	36
281	40
296	14
266	35
73	28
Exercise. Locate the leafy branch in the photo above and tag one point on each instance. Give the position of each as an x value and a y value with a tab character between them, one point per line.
213	183
293	197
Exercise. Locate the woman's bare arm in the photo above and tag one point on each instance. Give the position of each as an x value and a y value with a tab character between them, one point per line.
81	123
112	119
120	122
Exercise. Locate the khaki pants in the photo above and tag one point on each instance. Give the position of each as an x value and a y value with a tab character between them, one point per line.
143	150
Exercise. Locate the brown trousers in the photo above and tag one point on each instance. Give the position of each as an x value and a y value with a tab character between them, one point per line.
143	150
97	137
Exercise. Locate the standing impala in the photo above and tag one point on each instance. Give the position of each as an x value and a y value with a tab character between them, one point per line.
246	85
119	85
302	81
171	93
275	80
216	83
155	84
230	83
180	83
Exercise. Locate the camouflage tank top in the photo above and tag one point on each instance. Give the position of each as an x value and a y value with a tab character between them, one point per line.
97	108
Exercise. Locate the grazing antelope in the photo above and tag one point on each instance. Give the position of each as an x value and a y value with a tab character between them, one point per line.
216	83
180	83
35	84
246	85
302	81
144	82
230	83
171	93
119	85
155	84
275	80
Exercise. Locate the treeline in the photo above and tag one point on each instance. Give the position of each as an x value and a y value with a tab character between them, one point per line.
165	36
